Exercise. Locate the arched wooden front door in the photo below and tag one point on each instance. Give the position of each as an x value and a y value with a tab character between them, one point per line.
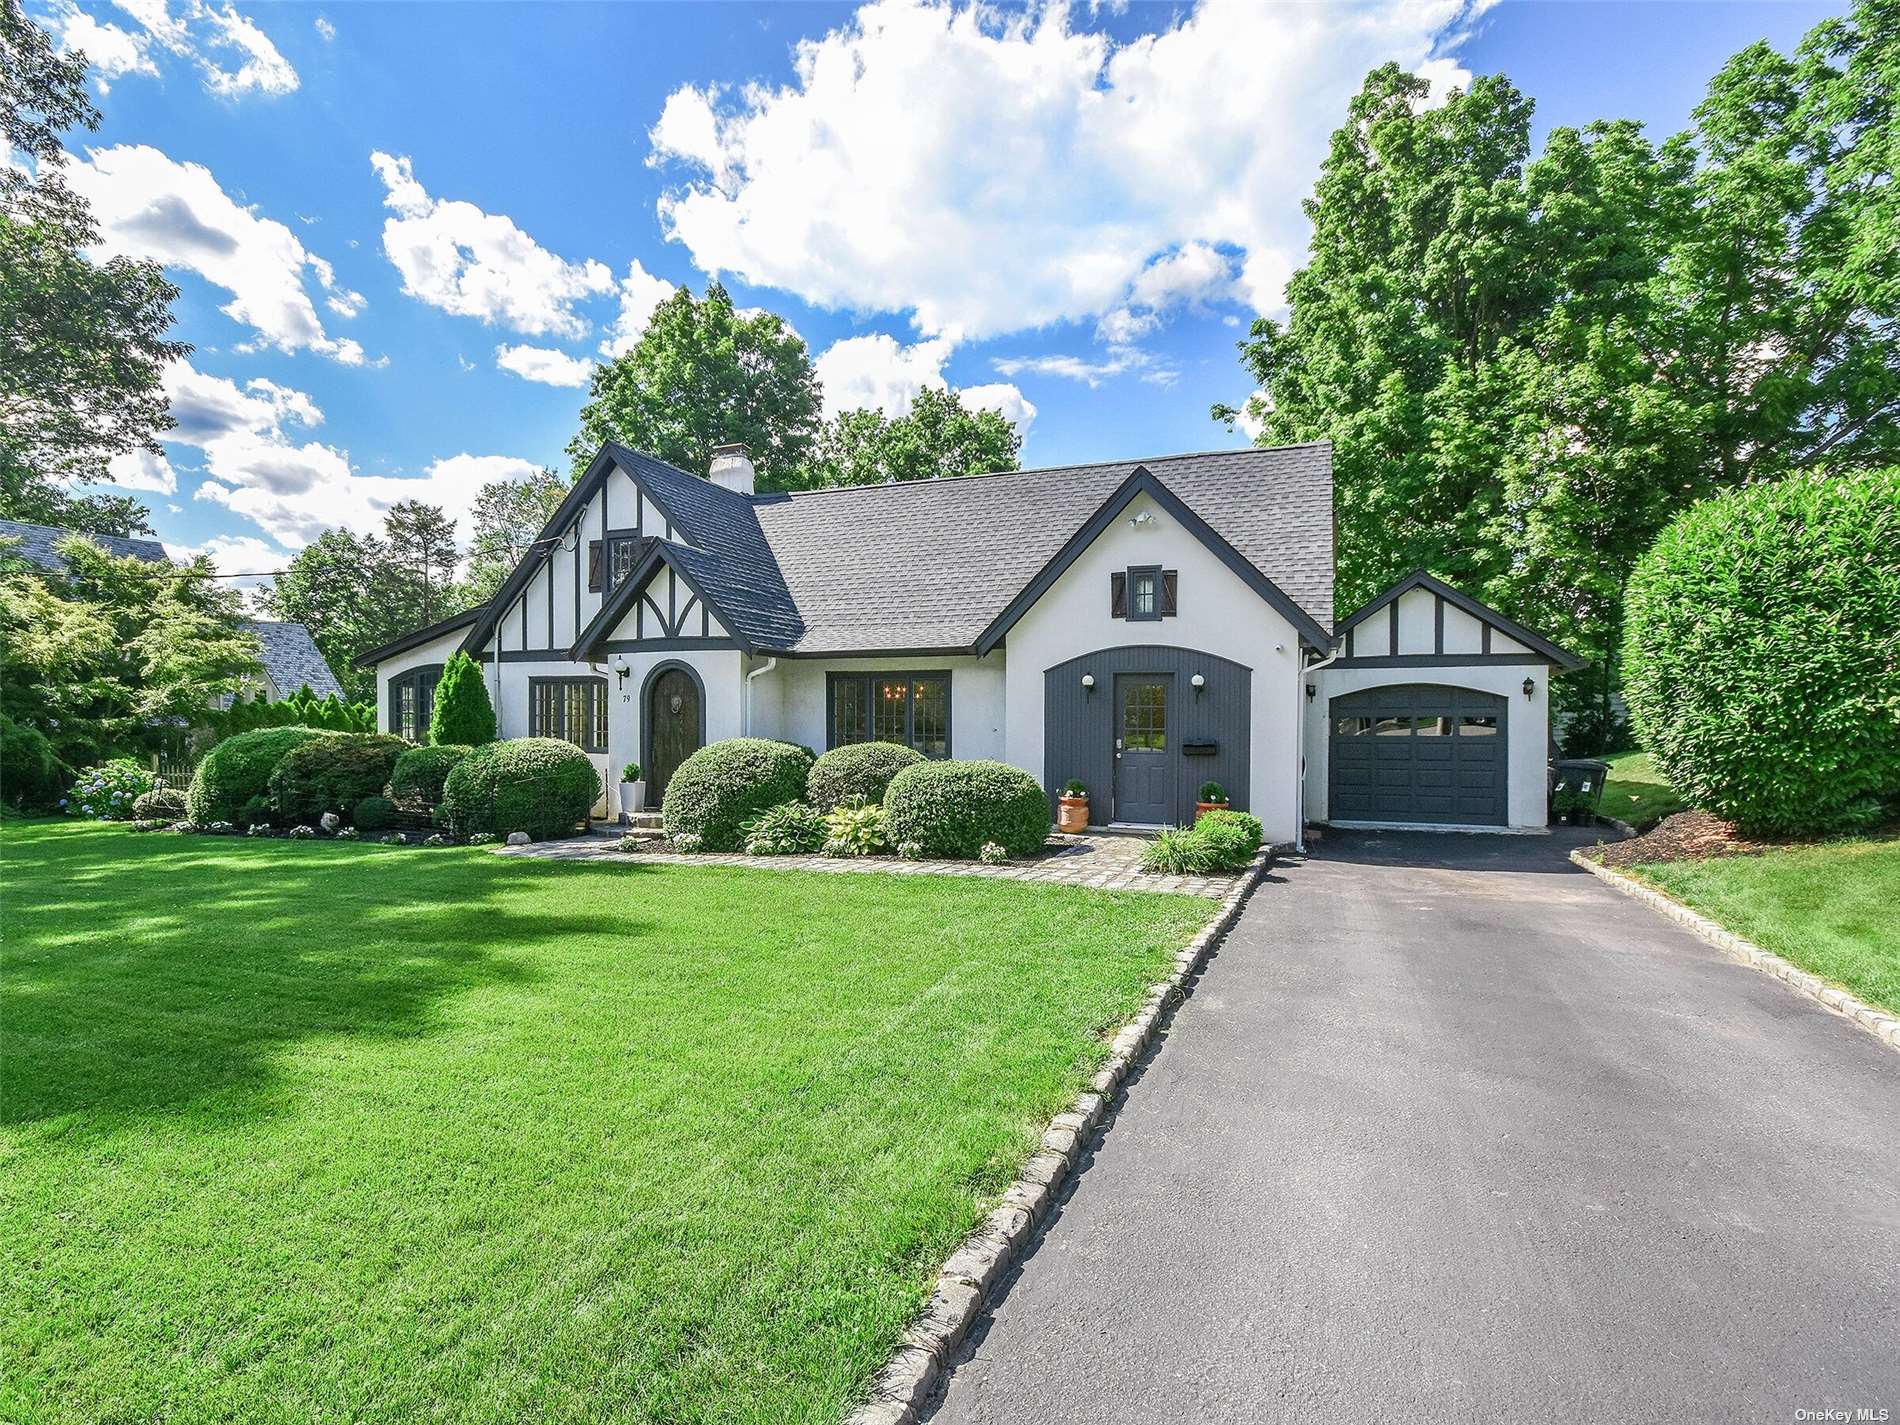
675	726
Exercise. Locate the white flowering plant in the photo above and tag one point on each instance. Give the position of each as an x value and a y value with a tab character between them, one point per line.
107	792
347	833
911	850
994	853
687	842
303	833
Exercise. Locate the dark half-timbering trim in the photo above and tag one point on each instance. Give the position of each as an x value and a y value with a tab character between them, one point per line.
1442	660
630	590
1141	481
1489	618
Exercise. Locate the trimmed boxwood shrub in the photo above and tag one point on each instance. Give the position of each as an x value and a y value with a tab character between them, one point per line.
160	804
1761	654
721	787
420	772
238	769
952	808
862	769
373	814
533	784
332	774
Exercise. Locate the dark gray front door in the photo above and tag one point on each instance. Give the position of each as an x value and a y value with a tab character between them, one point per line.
1418	752
1144	749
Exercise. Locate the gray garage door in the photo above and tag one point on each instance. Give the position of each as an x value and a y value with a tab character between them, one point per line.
1418	752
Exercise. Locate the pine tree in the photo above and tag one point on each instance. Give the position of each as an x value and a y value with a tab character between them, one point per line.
463	714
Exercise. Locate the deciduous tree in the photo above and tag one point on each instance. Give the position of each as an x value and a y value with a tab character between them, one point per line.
703	375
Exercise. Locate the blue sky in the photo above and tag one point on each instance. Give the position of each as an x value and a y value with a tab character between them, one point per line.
403	233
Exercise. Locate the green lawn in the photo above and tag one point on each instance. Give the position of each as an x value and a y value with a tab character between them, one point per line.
313	1132
1832	909
1636	791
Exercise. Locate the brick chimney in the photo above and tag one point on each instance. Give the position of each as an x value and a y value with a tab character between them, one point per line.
732	468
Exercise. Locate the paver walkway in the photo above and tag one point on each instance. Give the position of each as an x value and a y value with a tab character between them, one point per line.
1450	1131
1108	862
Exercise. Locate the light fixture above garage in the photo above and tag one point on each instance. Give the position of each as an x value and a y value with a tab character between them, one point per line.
1530	686
1197	682
1088	682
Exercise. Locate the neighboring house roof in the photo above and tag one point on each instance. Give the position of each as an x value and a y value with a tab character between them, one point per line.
1484	613
37	543
291	659
416	637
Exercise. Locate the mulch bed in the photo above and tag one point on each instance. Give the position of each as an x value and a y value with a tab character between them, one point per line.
1686	836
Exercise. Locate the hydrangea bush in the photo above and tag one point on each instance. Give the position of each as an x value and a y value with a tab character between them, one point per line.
109	792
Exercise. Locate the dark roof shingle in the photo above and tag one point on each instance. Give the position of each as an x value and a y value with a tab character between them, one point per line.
37	543
291	658
929	565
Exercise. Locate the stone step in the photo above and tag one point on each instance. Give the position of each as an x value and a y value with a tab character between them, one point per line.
641	821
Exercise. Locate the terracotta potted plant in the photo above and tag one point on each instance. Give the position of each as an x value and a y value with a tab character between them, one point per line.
1213	798
633	791
1072	808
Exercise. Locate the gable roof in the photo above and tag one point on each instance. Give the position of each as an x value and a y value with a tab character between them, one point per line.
37	543
291	658
930	566
1484	613
690	564
1143	482
416	637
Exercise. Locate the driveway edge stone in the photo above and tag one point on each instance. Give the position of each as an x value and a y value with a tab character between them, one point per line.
913	1373
1877	1022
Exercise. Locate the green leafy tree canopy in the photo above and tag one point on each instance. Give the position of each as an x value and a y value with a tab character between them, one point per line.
703	375
939	436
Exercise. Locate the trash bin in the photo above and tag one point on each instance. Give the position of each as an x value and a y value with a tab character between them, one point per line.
1577	789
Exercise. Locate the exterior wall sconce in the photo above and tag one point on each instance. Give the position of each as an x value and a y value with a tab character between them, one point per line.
1311	692
1530	686
1145	517
1088	684
1197	682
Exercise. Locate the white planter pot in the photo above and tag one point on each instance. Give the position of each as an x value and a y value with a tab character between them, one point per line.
633	796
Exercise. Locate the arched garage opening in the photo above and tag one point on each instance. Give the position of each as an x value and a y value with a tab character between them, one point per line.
1427	753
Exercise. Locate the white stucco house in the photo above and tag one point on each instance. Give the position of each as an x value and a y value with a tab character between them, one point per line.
1143	626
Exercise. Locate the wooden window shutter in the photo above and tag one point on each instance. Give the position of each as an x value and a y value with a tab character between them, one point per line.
1170	582
593	564
1118	595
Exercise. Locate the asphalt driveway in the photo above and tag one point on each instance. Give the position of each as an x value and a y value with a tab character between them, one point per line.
1450	1131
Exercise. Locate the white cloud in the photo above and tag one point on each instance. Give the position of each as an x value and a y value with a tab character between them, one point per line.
235	554
194	33
292	488
142	470
455	256
879	372
640	293
147	205
1003	398
113	51
1252	417
991	173
544	364
262	68
1120	361
325	29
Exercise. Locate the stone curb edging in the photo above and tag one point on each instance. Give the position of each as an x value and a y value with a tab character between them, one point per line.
907	1380
1877	1022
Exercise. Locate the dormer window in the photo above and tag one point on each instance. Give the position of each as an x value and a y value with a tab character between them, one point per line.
1143	593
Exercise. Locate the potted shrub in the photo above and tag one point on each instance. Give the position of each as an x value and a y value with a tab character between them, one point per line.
1213	798
1072	808
633	791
